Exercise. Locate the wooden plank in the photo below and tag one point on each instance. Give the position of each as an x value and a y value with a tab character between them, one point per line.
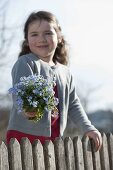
78	151
26	152
95	157
49	156
104	157
63	155
69	152
60	154
4	164
110	149
14	155
38	156
87	153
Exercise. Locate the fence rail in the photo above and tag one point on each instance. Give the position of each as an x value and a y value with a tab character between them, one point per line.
67	154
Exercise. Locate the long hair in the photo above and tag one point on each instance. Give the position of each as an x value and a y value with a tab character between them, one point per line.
61	52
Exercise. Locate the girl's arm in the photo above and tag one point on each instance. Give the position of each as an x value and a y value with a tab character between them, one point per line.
80	118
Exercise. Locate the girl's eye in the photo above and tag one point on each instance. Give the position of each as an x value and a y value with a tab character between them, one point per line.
49	33
33	35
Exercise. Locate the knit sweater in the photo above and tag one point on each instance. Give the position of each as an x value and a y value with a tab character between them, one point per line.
69	103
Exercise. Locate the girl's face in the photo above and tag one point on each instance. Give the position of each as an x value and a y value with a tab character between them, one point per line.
42	39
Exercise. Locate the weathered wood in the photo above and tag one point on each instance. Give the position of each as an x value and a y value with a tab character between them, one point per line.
110	149
95	157
38	156
4	165
78	150
69	152
60	154
27	157
49	156
104	157
14	155
87	154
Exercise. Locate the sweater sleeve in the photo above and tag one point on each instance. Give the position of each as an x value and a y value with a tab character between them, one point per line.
21	68
76	111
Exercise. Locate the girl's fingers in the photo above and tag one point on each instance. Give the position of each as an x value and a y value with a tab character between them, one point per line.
96	136
30	114
97	142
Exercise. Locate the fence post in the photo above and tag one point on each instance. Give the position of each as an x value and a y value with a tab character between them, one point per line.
4	165
87	153
69	151
38	155
14	155
104	154
78	150
27	157
60	154
95	157
110	149
49	155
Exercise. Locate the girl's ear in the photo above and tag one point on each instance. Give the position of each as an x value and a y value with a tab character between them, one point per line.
59	40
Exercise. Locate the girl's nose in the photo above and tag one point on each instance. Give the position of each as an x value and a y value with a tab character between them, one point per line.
42	38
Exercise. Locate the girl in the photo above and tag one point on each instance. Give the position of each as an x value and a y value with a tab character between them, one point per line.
44	52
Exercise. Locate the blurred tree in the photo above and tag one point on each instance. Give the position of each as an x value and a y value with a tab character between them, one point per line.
7	36
7	33
85	92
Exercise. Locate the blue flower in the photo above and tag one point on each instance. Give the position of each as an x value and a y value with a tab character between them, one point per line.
35	93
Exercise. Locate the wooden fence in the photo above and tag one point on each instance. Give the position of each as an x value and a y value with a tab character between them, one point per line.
66	154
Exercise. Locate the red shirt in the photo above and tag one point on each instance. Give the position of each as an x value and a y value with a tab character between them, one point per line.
55	130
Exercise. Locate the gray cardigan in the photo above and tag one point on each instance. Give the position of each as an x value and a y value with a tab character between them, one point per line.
69	103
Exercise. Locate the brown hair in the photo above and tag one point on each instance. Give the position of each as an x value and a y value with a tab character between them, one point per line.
61	51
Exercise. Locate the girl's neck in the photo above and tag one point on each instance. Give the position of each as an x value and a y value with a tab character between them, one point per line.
50	62
47	60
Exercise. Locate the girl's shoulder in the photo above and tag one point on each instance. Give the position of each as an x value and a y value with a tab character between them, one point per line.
21	59
24	60
63	68
63	72
27	57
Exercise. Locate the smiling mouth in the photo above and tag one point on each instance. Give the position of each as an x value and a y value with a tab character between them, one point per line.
42	46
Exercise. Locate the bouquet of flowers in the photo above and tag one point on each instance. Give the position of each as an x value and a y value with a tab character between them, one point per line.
35	94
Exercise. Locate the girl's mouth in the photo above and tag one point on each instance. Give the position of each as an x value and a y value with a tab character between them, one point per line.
42	46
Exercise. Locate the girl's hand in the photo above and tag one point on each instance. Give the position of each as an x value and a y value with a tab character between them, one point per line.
30	114
96	136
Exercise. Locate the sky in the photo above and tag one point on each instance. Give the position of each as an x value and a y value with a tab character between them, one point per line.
87	26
